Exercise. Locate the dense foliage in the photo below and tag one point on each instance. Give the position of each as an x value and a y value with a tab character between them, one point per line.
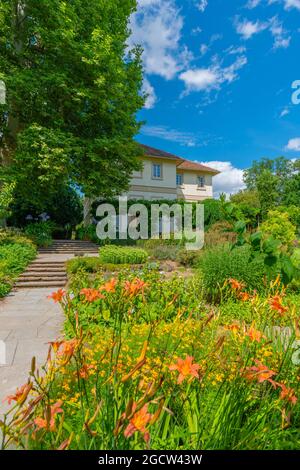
16	251
40	233
122	255
72	94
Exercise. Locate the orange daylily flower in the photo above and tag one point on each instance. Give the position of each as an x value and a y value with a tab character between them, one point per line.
84	371
234	327
135	287
110	286
244	296
186	368
138	422
261	373
67	349
235	284
276	304
42	423
287	394
91	295
55	345
57	296
254	335
20	395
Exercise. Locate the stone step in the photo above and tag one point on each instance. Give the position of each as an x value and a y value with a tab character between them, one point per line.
71	245
46	266
42	278
51	272
71	252
33	284
68	247
78	248
40	262
44	273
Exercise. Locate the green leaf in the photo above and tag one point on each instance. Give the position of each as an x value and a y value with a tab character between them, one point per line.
270	260
240	227
255	240
270	246
106	315
287	269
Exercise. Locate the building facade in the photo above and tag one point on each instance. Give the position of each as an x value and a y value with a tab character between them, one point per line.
166	176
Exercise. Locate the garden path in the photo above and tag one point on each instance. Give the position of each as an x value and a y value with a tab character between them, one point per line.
28	321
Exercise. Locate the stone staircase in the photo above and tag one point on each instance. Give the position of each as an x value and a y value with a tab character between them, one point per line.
48	270
75	247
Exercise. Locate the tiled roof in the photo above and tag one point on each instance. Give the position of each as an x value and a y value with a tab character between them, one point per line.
188	165
152	152
183	164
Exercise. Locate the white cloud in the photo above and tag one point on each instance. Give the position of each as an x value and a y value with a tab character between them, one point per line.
293	145
288	4
232	50
281	37
157	27
247	28
149	90
196	31
284	112
199	79
229	181
203	49
207	79
253	4
187	139
202	5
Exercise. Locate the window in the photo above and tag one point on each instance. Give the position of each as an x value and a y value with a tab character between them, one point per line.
156	171
201	181
179	179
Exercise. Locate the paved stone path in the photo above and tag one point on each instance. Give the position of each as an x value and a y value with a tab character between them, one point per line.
28	321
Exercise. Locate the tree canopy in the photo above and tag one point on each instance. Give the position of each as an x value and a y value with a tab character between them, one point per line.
277	182
72	95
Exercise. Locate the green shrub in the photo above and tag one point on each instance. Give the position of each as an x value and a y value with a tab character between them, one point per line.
278	226
122	255
87	233
221	263
40	233
189	258
16	252
219	233
87	264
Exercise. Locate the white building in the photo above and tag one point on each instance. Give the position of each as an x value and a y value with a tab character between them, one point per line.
166	176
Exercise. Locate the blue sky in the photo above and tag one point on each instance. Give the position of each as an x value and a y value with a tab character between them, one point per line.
219	75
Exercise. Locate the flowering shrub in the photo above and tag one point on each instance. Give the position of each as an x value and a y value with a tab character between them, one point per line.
126	377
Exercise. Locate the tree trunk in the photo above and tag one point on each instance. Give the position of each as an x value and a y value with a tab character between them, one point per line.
87	211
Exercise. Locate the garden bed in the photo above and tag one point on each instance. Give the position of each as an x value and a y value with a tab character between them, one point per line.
146	363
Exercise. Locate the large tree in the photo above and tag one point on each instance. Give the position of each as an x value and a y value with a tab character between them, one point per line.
273	180
72	94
